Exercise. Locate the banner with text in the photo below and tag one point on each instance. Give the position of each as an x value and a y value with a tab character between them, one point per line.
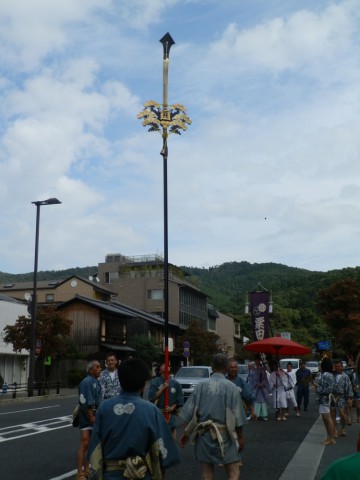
259	308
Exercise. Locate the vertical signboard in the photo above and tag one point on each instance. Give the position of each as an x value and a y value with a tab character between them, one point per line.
259	308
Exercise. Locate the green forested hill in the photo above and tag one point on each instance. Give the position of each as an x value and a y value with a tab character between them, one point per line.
227	284
293	291
84	272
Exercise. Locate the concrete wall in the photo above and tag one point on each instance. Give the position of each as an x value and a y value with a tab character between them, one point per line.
13	366
225	330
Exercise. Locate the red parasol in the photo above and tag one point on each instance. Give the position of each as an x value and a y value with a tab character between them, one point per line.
277	346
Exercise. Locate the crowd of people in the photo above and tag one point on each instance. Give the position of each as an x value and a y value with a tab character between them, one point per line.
273	386
338	393
112	408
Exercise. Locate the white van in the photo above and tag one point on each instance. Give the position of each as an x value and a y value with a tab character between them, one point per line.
295	362
189	377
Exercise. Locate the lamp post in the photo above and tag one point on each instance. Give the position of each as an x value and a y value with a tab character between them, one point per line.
165	119
39	203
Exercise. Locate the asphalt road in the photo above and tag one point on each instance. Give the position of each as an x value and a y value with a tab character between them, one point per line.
38	443
37	440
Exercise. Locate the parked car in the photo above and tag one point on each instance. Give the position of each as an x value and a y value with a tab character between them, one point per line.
313	366
243	371
295	362
189	377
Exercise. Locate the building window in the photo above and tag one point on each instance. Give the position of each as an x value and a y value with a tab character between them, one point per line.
156	294
237	329
110	277
212	324
50	297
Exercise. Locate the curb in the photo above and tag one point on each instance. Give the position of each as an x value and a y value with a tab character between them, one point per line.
38	398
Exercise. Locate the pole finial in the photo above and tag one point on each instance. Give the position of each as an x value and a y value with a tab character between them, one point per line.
167	41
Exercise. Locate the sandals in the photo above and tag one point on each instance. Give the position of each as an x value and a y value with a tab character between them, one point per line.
329	441
82	476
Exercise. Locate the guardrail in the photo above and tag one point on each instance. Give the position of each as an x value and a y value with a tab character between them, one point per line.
42	388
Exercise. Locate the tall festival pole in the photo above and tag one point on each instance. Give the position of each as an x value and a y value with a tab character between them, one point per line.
165	119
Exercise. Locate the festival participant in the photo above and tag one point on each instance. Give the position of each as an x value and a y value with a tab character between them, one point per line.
90	396
279	381
303	380
176	397
214	417
324	388
245	392
343	394
290	392
355	383
109	378
260	388
131	438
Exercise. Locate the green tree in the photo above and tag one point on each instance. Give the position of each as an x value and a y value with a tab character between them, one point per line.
339	304
51	328
203	344
146	348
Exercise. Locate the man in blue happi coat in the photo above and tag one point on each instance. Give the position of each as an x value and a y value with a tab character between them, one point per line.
176	397
90	396
214	416
343	395
246	395
131	438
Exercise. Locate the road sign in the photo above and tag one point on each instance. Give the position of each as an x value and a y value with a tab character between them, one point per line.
186	346
38	346
286	335
324	345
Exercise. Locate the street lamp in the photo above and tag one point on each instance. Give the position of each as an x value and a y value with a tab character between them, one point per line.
165	120
39	203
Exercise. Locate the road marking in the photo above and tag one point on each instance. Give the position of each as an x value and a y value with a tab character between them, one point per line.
34	428
311	447
29	410
66	475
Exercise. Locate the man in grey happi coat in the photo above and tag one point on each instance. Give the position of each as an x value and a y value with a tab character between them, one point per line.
214	417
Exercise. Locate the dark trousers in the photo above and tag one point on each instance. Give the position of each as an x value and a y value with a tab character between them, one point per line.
302	393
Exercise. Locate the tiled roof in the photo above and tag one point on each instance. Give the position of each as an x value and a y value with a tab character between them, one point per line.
116	308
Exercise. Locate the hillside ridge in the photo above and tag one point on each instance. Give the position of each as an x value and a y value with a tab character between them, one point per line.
294	291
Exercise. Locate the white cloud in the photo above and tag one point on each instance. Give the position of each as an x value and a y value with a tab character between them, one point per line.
274	102
32	30
140	14
287	43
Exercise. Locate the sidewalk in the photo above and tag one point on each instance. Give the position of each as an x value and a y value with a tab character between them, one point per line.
22	396
312	458
344	446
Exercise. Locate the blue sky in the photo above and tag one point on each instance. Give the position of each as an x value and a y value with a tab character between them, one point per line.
267	172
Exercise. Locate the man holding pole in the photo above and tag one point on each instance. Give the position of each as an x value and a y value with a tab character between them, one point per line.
157	389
